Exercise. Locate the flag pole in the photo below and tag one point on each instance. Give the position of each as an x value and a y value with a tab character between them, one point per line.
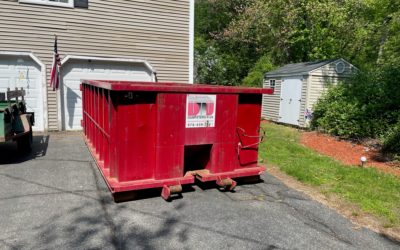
55	39
55	69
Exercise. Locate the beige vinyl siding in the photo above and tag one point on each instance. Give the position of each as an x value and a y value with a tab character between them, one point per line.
322	78
270	104
157	31
329	70
318	86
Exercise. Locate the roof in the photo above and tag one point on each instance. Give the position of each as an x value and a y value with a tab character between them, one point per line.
299	68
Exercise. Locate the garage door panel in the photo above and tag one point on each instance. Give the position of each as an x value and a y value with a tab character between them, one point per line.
98	70
22	71
32	94
75	70
4	83
72	84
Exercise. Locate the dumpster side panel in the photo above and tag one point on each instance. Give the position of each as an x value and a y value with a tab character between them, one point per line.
170	135
200	136
107	123
136	112
224	156
248	129
101	124
114	140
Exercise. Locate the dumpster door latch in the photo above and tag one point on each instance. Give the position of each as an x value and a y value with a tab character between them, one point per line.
242	133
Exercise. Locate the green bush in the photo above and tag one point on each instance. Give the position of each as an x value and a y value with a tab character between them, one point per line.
367	105
391	141
256	74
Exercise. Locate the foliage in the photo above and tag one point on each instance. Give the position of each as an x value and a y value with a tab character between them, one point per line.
391	141
256	74
373	191
217	60
293	30
241	32
237	41
210	65
366	106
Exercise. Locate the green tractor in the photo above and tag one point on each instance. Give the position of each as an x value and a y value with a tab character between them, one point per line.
15	122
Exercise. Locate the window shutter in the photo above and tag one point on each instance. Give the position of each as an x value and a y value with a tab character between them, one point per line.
81	4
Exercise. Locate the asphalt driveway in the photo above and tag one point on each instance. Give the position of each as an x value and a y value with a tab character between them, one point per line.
55	198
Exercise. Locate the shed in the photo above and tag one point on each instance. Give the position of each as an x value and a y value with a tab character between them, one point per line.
297	88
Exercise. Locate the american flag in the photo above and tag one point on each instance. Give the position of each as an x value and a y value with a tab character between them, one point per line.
55	69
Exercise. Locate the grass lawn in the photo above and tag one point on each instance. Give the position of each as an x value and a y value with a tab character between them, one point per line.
375	192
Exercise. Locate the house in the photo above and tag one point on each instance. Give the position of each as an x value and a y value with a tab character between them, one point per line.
297	88
97	39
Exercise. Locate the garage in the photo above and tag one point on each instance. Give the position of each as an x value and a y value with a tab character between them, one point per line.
76	68
23	70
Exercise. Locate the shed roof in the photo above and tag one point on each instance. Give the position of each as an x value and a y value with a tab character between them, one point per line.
299	68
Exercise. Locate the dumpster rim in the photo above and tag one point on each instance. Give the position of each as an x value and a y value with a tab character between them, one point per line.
174	87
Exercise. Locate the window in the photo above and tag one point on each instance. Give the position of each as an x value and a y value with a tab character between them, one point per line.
60	3
272	84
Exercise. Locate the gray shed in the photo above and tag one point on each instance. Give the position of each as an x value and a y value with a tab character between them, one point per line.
297	88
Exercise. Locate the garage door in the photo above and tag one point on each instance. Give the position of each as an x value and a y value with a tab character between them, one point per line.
289	111
75	70
22	71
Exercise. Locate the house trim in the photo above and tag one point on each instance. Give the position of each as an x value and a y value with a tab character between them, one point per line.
191	42
112	59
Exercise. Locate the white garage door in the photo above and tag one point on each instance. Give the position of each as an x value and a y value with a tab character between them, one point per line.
289	111
22	71
75	70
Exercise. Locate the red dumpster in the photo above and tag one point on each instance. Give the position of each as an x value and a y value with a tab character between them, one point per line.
148	135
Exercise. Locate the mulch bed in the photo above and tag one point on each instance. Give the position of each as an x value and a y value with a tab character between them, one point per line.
348	152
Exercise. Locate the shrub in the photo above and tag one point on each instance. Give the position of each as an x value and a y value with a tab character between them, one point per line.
367	105
391	141
256	75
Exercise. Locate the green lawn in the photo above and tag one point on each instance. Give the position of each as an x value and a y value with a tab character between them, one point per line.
373	191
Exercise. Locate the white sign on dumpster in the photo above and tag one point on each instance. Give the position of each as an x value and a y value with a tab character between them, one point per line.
200	111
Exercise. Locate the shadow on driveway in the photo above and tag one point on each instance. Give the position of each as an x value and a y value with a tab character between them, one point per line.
9	153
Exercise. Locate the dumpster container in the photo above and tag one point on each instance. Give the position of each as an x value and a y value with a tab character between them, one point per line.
164	135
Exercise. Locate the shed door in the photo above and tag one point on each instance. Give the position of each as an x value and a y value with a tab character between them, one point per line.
75	70
22	71
289	111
